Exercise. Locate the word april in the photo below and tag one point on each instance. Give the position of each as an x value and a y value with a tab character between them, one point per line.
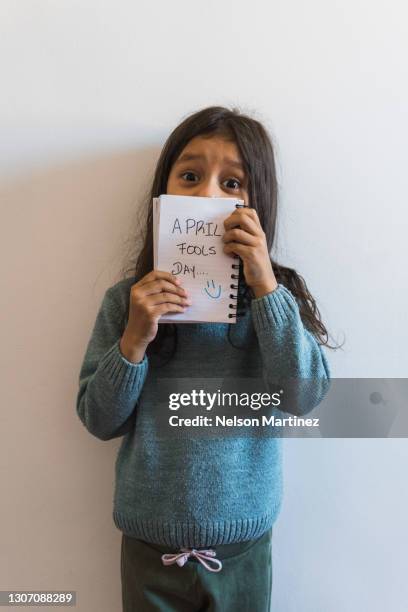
193	226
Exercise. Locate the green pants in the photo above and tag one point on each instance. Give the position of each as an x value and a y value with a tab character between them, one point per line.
244	583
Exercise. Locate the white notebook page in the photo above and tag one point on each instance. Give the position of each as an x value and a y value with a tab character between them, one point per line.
187	242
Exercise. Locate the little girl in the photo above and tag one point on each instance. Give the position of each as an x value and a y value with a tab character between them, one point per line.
196	515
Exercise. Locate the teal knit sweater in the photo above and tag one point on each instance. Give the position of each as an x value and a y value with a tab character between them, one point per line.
186	491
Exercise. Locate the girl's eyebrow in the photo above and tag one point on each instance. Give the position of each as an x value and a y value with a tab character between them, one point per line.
192	156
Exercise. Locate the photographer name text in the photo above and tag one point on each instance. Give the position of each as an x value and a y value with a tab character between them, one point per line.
223	421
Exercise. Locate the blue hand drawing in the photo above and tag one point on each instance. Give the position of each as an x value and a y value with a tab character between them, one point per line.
215	297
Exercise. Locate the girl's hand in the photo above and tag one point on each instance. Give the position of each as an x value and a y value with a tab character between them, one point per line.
153	295
249	242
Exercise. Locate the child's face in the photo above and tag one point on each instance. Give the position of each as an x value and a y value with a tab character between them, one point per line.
212	174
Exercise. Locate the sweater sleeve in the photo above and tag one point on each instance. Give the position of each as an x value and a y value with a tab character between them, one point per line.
291	357
109	384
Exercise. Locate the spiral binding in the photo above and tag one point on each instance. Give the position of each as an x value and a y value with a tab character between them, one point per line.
236	276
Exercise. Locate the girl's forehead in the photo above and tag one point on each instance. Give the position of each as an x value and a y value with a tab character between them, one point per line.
213	146
210	141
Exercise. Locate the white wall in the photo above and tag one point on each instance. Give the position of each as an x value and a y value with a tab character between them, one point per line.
90	91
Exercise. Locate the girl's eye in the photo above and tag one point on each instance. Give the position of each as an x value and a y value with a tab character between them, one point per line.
234	181
228	180
185	173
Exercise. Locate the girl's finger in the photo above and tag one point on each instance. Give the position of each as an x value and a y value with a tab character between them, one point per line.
241	236
160	285
157	275
239	249
245	221
163	308
165	297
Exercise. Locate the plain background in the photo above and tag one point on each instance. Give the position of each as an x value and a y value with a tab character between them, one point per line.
90	92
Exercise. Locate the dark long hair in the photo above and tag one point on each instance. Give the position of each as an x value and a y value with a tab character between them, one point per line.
256	150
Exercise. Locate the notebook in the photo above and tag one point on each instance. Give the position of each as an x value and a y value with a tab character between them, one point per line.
187	232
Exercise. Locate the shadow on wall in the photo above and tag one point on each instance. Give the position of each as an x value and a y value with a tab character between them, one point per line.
77	213
65	229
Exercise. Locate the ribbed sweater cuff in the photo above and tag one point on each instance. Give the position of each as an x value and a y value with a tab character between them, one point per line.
275	309
125	376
